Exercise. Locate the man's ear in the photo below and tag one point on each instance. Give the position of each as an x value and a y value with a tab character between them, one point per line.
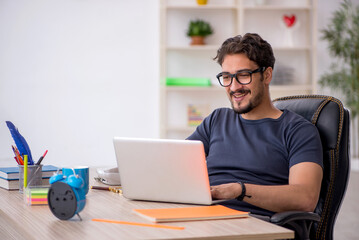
267	75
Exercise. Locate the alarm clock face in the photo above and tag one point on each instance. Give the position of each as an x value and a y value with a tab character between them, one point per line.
62	200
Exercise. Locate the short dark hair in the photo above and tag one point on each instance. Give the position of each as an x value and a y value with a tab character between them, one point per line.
252	45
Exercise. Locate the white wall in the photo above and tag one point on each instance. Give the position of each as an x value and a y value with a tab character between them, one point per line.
74	74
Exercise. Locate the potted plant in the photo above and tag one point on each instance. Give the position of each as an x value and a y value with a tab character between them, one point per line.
342	35
198	30
201	2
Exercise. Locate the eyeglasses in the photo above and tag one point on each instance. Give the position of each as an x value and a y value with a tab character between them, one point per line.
243	77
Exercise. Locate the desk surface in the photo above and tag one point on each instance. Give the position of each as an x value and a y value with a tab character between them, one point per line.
19	221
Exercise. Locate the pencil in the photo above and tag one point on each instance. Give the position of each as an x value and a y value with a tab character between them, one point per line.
138	224
112	189
25	171
17	161
13	149
18	156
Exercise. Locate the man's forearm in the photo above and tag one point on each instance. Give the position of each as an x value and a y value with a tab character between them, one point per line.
281	198
301	194
273	198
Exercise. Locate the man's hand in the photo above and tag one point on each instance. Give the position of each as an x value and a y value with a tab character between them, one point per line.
226	191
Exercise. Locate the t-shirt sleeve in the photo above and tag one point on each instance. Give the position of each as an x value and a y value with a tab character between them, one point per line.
304	144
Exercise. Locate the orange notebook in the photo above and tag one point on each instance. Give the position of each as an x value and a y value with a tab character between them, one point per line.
190	213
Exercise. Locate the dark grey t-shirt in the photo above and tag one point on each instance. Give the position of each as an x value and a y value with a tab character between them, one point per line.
256	151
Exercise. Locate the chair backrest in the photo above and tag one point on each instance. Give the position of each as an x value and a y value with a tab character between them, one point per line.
332	120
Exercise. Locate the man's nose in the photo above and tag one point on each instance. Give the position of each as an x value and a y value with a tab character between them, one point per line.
235	85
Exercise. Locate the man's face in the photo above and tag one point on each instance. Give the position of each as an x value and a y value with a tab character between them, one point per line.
244	98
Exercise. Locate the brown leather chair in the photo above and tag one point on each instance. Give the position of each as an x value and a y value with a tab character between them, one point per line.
332	120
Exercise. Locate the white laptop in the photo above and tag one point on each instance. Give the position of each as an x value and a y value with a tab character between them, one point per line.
163	170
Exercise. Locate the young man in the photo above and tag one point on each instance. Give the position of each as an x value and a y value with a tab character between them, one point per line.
259	158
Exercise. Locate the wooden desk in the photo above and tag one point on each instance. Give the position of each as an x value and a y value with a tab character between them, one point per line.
19	221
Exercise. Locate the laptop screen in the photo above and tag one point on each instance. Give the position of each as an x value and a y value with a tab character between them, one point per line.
164	170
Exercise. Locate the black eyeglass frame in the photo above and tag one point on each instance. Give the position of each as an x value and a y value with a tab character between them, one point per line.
260	69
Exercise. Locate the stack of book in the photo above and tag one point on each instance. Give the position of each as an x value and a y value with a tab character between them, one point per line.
9	176
196	114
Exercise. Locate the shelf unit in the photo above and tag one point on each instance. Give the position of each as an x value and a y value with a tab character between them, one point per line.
294	70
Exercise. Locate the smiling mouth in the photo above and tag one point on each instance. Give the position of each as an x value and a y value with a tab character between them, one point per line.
239	94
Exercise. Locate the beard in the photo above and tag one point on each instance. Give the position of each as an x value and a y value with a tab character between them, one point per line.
253	102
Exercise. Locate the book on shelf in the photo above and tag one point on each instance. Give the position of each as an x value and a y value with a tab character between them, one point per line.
196	113
13	184
190	213
12	173
189	82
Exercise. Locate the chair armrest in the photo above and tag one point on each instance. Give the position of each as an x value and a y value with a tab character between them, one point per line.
290	216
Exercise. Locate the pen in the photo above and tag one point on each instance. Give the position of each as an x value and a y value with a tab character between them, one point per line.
112	189
25	171
42	157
